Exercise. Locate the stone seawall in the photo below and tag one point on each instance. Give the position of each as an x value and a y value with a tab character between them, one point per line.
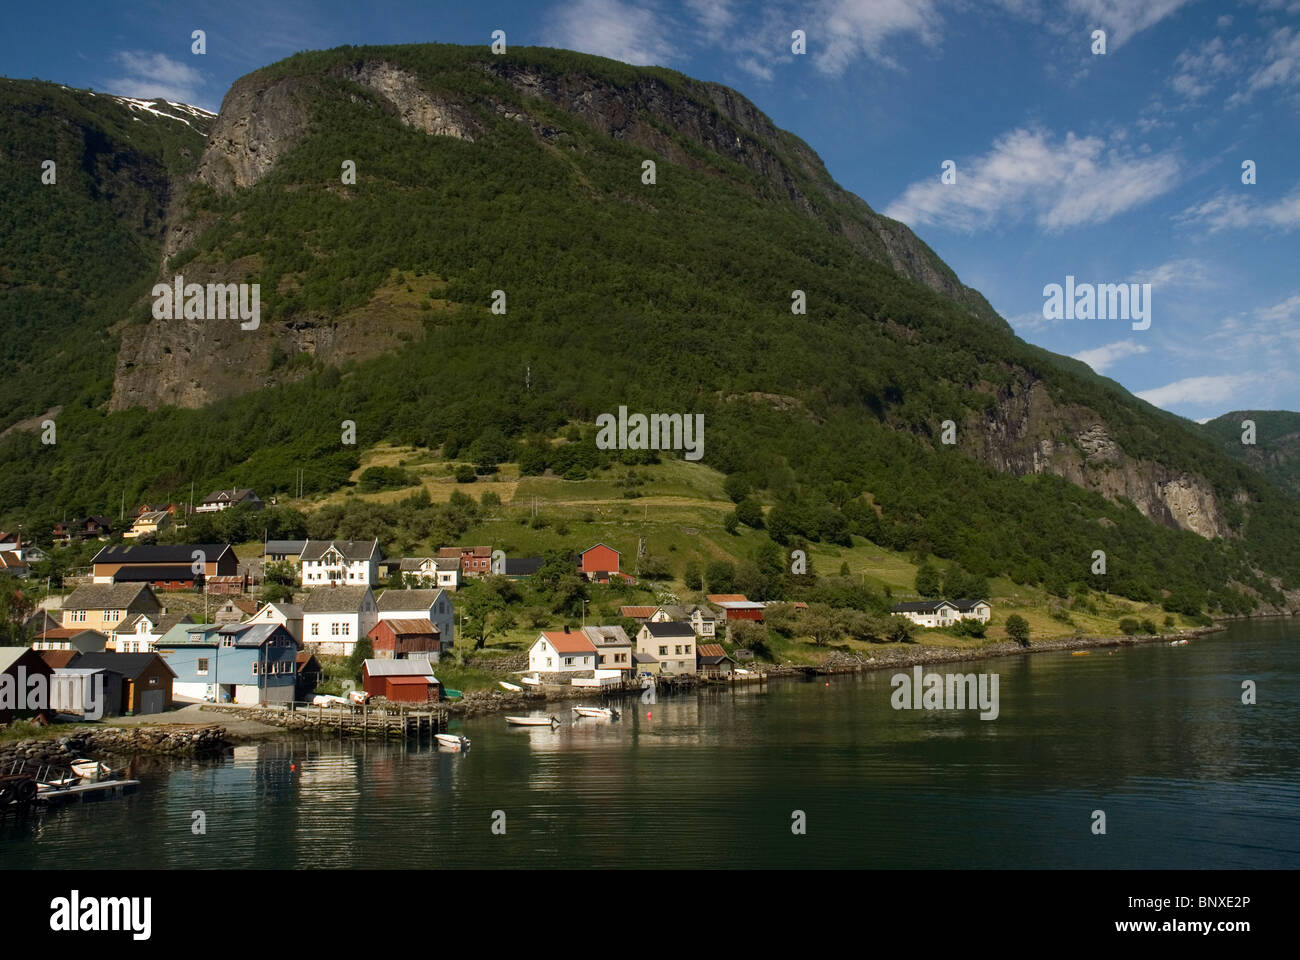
116	742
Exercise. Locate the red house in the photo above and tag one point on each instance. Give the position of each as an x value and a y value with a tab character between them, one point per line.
474	561
401	639
600	563
738	607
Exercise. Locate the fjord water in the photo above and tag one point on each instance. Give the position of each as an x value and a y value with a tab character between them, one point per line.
1155	736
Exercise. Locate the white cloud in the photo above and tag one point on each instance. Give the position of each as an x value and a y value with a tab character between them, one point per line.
610	28
1212	391
1124	19
150	75
1236	210
1067	183
1198	71
844	30
1175	273
714	15
1281	66
1102	358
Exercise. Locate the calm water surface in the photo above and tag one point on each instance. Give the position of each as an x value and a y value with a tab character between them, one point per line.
1155	736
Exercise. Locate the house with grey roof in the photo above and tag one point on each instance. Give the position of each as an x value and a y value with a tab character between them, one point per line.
334	618
432	605
613	647
341	562
219	500
250	663
102	606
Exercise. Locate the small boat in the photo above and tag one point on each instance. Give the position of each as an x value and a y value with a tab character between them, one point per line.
359	697
513	688
91	769
531	681
607	713
532	721
1178	643
452	740
1080	653
451	694
327	700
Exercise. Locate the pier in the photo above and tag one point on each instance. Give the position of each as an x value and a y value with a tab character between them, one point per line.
388	722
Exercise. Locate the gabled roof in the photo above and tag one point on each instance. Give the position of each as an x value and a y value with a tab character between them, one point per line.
573	641
58	659
289	611
348	549
637	613
9	559
340	599
669	629
305	657
711	653
391	600
684	611
607	636
129	665
966	606
11	655
231	496
106	596
159	571
447	563
921	606
162	553
286	547
727	598
595	545
413	564
411	627
413	667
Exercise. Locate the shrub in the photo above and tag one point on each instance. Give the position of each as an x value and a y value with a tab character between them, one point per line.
1018	629
1148	626
1129	625
465	474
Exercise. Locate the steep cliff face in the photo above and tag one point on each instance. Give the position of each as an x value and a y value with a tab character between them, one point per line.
1028	432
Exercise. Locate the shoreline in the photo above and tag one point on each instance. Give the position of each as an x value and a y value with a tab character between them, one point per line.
180	738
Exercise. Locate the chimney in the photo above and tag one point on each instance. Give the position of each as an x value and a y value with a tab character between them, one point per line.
566	628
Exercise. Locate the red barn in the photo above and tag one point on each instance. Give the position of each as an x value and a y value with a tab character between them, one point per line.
400	639
402	681
738	607
600	563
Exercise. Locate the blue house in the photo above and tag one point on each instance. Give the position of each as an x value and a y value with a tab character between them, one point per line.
247	663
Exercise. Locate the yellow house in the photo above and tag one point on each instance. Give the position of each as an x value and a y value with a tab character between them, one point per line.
102	606
151	522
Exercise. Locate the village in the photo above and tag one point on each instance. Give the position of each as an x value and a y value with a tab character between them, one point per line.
156	626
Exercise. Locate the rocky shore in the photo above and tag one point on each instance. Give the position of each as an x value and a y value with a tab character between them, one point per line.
115	742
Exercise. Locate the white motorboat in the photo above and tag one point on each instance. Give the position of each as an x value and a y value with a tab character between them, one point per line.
453	740
91	769
532	721
512	687
605	713
531	681
328	700
1178	643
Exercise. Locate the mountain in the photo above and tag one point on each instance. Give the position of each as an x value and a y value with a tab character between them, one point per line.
76	249
1276	450
524	174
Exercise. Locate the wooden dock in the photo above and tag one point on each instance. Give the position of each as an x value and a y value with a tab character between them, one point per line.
390	722
90	792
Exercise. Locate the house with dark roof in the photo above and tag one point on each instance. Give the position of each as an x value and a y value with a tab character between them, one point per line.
339	562
144	679
102	606
174	562
702	618
67	531
943	613
283	551
671	642
249	663
334	618
219	500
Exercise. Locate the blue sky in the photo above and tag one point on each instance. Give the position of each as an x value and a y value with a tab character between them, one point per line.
1117	167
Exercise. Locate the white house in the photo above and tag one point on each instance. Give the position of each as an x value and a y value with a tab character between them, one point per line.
672	642
335	617
140	632
943	613
432	605
288	615
441	572
703	620
219	500
560	651
350	562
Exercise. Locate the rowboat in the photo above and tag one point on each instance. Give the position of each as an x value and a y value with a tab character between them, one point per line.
453	740
1178	643
1080	653
603	712
531	681
91	769
513	688
532	721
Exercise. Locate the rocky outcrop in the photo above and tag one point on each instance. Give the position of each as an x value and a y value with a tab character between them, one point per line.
1027	432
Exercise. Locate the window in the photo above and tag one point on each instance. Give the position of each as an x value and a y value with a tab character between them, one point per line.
548	661
315	629
568	661
678	651
663	651
255	668
334	629
78	616
202	670
153	681
347	629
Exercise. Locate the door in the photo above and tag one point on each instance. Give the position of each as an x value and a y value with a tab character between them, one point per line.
153	701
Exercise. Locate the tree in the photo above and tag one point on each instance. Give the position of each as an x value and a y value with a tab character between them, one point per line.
362	651
927	581
720	575
1018	629
692	577
736	487
731	522
820	623
750	513
901	630
465	474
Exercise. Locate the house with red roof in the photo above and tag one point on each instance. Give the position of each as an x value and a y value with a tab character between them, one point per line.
557	651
